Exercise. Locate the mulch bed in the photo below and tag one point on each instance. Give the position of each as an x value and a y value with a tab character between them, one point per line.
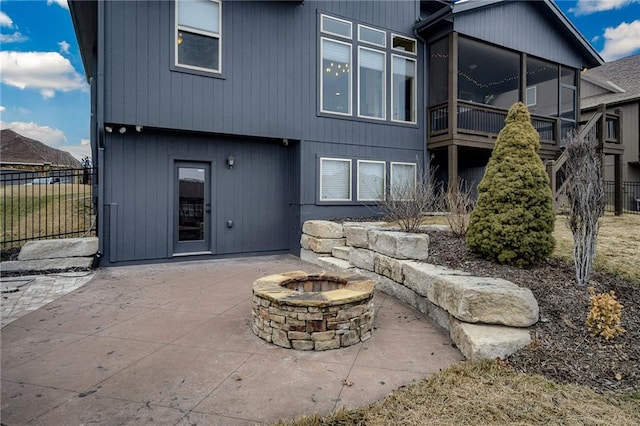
562	349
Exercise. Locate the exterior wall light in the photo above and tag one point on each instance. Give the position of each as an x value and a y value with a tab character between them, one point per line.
108	129
139	129
230	161
123	130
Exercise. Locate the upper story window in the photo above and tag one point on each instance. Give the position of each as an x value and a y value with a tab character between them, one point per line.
403	44
340	49
198	35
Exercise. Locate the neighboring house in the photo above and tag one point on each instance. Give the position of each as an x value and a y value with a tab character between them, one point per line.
18	153
219	127
617	84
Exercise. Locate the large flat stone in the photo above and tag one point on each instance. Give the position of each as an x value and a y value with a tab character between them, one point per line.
477	341
320	245
44	265
309	256
323	229
333	264
408	296
357	236
484	300
419	276
340	253
361	258
388	267
54	249
401	245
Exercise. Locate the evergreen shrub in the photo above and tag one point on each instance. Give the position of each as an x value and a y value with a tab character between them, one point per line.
513	220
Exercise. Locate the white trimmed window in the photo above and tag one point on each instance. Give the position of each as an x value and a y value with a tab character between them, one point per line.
372	36
335	179
371	180
403	181
372	87
198	35
403	44
403	89
335	26
335	80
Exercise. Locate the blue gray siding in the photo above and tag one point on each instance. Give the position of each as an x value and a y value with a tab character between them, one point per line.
139	185
521	26
268	86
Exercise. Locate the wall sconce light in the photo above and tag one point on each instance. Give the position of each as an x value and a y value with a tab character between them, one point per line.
108	129
123	130
139	129
230	161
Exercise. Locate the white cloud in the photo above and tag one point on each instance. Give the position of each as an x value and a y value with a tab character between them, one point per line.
586	7
5	20
84	141
16	37
48	72
62	3
621	41
78	151
64	46
595	38
44	134
2	108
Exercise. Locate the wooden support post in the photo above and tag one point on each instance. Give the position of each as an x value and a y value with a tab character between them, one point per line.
617	183
453	166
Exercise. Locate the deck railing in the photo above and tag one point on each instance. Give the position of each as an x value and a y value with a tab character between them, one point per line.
485	120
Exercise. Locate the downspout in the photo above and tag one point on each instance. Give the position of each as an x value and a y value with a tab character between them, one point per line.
425	92
100	143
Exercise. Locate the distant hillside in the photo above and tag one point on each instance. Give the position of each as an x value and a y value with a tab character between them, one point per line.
15	148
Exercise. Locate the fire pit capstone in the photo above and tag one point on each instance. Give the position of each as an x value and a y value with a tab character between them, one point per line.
316	311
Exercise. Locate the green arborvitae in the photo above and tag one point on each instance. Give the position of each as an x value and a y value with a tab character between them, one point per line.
513	220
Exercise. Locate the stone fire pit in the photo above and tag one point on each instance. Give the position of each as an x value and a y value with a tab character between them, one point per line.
316	311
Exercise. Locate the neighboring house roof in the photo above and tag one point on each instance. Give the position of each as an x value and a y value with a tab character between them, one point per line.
17	149
621	78
464	6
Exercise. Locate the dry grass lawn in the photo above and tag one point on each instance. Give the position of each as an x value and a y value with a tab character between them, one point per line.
32	211
618	249
487	393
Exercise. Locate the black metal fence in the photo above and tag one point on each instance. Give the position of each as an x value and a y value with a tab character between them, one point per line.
630	197
45	205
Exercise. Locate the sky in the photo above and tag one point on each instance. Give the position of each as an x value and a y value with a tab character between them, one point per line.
44	94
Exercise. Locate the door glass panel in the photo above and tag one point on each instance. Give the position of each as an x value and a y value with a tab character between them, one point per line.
191	199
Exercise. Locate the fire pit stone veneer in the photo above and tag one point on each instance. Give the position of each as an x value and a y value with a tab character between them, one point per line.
317	311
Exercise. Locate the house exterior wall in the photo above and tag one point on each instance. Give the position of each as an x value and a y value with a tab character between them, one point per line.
521	26
267	92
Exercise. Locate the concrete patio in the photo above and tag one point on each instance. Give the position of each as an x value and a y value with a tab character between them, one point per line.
172	344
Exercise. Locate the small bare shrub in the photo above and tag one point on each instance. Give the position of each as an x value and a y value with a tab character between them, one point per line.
585	194
407	203
458	202
604	317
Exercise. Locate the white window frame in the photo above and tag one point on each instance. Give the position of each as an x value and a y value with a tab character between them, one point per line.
346	160
384	82
415	90
405	52
384	36
322	72
217	36
322	17
415	176
531	99
384	180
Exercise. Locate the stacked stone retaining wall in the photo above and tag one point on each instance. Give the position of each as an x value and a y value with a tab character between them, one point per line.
486	317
